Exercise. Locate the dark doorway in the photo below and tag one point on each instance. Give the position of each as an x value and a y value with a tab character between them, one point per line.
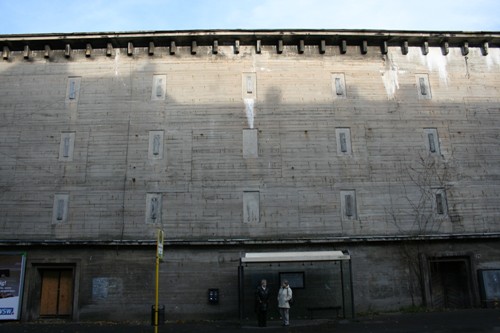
56	297
450	284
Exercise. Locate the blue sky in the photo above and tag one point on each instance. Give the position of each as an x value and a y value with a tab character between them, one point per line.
65	16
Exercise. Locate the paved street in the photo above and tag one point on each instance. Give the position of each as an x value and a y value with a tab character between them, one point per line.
459	321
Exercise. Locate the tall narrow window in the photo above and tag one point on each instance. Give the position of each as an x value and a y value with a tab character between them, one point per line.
153	207
251	209
60	208
338	85
249	85
250	143
439	203
73	89
155	151
249	80
441	206
423	87
159	88
339	89
156	144
432	140
348	204
158	92
343	136
343	142
66	147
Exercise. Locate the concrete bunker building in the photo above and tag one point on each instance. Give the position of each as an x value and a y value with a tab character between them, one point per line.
383	145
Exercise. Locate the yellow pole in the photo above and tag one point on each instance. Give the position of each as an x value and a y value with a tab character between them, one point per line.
157	291
159	256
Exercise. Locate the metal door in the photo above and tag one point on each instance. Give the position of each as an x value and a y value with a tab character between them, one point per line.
450	284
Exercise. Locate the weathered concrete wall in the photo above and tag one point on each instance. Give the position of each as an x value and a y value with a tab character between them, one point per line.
118	283
113	147
109	284
203	173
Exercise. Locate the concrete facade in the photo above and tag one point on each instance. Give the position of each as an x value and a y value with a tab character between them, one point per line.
240	141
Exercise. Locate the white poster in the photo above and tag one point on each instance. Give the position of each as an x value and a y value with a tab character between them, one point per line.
11	284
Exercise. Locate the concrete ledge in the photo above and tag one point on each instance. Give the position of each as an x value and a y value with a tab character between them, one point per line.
248	241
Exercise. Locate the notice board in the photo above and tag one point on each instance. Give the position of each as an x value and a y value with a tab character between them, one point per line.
12	267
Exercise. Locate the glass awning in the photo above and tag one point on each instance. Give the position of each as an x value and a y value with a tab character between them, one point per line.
269	257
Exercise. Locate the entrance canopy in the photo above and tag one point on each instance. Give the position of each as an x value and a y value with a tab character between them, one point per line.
269	257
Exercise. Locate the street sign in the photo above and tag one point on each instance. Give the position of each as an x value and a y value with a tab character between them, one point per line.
159	244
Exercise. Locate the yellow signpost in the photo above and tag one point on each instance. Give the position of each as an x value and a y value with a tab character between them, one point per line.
159	256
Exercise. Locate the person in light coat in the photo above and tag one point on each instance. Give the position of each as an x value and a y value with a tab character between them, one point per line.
284	296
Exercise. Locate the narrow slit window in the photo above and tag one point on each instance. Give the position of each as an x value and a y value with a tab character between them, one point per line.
348	205
153	208
251	207
343	142
343	136
66	146
156	146
159	88
249	85
60	209
423	86
250	143
432	140
338	86
72	89
339	89
432	143
439	203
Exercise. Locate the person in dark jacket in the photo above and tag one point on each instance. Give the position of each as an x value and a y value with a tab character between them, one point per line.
262	302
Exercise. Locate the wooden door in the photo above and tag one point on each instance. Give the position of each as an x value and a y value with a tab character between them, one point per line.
57	293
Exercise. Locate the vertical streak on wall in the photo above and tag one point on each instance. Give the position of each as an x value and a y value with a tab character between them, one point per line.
390	77
436	61
493	58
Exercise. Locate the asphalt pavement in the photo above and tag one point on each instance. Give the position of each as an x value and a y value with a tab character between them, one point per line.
453	321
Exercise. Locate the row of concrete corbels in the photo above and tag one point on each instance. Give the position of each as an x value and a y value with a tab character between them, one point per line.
384	47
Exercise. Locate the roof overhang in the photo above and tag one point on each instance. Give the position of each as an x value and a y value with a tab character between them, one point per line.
270	257
267	37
